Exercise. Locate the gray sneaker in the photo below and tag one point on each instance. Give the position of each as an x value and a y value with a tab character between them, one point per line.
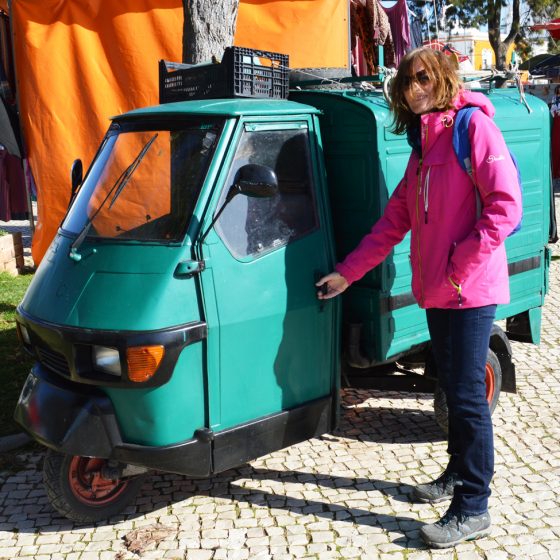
437	490
454	528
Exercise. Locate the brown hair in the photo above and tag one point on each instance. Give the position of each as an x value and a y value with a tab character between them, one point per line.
442	73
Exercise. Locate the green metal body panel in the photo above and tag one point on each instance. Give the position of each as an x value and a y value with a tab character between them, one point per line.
527	136
116	286
168	414
365	162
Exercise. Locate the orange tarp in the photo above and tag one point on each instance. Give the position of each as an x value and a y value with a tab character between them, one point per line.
80	61
313	32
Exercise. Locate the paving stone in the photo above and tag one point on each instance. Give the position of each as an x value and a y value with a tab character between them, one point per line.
199	555
344	495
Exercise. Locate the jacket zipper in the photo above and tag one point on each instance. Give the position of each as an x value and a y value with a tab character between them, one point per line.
426	195
418	189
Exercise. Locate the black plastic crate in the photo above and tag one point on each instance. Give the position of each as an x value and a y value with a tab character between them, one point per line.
241	73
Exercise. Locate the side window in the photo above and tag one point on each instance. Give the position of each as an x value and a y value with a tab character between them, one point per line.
252	226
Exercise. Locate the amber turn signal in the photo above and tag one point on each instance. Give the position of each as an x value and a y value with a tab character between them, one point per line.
143	362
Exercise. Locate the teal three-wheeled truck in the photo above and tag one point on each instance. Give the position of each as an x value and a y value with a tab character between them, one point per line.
174	318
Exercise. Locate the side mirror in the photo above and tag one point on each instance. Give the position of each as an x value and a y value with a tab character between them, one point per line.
76	175
256	181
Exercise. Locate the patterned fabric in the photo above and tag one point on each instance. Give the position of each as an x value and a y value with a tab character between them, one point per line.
398	19
370	24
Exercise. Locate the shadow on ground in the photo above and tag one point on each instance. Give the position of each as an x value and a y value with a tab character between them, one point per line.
363	422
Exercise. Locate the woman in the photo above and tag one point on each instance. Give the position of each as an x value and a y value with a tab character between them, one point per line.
459	268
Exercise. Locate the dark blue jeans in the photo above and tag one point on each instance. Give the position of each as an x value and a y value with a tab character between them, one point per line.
460	339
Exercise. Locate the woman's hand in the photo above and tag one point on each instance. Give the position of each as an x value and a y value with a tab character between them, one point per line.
335	284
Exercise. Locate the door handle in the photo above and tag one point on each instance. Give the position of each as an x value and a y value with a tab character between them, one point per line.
323	289
189	268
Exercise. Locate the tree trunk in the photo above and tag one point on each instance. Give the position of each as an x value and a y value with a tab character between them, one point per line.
494	16
494	19
208	28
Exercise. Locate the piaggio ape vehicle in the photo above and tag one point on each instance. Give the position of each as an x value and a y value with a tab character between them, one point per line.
174	318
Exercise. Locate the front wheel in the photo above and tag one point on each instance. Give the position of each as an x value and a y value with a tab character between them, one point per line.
78	488
493	388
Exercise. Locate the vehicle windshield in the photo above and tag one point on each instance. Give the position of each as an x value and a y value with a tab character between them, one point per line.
144	183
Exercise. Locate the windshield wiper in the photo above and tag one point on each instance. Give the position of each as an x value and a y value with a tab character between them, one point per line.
117	189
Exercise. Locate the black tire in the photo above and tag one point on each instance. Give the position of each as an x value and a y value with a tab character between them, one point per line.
69	487
493	388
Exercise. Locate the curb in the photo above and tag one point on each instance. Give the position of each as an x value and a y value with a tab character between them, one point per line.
13	441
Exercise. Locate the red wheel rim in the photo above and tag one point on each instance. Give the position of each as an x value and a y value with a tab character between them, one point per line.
489	383
88	484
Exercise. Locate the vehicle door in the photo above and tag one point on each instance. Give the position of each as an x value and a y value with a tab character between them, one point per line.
271	343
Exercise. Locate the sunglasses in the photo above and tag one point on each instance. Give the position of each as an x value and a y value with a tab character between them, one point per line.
421	78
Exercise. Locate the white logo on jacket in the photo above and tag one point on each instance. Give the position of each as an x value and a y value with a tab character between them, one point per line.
492	158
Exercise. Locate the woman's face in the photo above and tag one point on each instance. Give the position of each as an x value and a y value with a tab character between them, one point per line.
419	92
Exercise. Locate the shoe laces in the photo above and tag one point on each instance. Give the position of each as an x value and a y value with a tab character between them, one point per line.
447	479
452	518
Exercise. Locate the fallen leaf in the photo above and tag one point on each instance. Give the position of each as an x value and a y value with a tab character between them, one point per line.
141	539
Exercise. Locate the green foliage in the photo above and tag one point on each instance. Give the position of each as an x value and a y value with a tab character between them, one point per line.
542	11
15	363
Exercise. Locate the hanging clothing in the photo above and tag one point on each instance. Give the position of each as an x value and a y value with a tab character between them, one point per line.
7	88
370	24
400	30
13	199
359	64
415	30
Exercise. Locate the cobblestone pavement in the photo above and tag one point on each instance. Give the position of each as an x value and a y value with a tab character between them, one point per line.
341	496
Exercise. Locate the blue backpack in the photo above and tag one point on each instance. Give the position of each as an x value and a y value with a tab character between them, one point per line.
462	147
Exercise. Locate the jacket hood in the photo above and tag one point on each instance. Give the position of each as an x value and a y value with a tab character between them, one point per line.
464	98
467	98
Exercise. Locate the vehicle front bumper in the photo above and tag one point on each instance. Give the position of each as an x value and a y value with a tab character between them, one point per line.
79	419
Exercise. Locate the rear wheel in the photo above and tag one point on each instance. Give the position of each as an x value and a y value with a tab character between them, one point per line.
493	388
78	488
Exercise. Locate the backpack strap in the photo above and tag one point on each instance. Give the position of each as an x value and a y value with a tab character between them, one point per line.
462	146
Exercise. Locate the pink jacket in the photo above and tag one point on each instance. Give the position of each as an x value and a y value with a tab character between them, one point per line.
436	200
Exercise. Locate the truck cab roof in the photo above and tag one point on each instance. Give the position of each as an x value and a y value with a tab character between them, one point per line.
222	108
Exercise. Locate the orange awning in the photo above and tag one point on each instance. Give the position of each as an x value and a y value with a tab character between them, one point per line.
80	61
